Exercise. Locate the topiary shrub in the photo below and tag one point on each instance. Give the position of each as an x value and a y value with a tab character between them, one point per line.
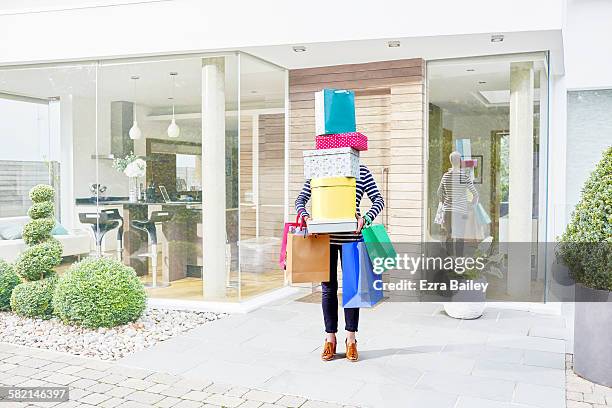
34	299
41	193
586	245
38	260
99	292
8	281
45	209
37	231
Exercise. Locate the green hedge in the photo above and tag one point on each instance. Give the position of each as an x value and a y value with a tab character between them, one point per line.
586	245
41	193
34	299
37	231
8	281
99	292
46	209
38	260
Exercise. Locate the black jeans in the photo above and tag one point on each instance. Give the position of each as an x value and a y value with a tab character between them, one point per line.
329	300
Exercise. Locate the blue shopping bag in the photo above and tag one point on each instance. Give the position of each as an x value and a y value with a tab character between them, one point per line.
358	277
481	215
334	111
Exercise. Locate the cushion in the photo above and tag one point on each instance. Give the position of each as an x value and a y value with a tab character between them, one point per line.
59	229
11	231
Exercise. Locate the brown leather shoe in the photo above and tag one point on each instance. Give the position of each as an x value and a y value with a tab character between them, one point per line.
329	351
351	351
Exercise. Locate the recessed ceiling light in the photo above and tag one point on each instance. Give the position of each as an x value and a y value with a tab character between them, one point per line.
470	70
497	38
299	48
482	82
393	44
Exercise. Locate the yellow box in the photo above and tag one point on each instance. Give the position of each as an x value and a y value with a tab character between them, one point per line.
333	198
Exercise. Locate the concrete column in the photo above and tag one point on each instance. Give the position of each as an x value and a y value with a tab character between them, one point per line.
213	177
520	178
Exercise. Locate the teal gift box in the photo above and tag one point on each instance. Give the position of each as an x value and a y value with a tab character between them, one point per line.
334	111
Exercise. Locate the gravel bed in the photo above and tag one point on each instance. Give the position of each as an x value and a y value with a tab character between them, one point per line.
154	326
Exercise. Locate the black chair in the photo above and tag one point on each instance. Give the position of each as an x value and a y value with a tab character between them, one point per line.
101	223
149	226
114	214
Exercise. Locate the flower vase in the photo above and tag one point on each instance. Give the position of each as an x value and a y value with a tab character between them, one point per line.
133	193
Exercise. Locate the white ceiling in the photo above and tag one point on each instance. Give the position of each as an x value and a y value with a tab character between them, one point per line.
261	85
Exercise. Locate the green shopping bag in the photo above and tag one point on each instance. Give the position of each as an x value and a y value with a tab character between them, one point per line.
379	245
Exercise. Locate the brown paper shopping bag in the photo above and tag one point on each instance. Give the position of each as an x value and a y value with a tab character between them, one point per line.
308	258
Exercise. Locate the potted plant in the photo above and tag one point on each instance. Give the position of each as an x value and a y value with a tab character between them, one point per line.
586	249
133	167
470	304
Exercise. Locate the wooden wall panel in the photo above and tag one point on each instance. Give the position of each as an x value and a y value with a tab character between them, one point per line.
389	106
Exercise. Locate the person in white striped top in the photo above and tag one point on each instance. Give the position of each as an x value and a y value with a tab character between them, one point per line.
452	192
329	300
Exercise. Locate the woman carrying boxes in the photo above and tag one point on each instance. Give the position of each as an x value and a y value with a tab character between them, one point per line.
335	183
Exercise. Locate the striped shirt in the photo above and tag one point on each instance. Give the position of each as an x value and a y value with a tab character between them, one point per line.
453	190
364	183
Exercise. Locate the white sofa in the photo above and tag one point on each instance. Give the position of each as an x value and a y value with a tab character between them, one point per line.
75	243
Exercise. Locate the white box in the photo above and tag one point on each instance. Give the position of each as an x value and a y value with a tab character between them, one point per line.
331	226
340	162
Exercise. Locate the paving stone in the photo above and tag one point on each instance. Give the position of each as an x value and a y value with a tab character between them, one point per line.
137	384
197	395
112	402
34	363
539	395
14	380
22	370
98	365
575	396
133	404
55	366
194	384
100	387
144	397
219	388
224	400
319	404
174	391
163	378
594	399
7	366
83	383
130	372
92	374
33	383
188	404
263	396
157	388
579	387
167	402
237	391
77	393
94	398
252	404
291	401
113	379
119	391
41	374
578	404
70	369
16	359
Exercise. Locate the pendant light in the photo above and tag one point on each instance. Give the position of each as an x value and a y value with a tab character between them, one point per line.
135	132
173	130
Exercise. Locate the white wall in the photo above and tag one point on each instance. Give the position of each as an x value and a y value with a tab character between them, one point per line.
24	131
586	36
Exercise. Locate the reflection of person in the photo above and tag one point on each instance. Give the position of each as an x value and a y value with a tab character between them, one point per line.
453	195
329	300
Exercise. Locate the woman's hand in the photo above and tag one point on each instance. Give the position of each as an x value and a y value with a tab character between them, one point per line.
360	224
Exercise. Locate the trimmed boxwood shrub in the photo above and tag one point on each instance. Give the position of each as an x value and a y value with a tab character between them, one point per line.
45	209
37	231
38	260
41	193
99	292
8	281
34	299
586	245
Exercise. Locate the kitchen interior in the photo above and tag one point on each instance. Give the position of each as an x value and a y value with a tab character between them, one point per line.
151	111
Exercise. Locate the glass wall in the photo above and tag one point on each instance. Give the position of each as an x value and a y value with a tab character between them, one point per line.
487	130
181	159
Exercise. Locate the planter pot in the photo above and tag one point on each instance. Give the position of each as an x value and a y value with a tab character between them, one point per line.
467	304
592	334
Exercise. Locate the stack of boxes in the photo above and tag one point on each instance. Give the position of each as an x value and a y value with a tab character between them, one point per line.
333	168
